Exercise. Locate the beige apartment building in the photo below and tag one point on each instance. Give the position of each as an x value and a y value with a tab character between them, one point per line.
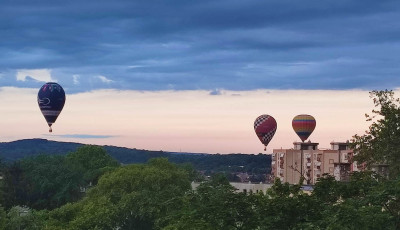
308	160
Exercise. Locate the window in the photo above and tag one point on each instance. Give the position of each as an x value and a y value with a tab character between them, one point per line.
330	161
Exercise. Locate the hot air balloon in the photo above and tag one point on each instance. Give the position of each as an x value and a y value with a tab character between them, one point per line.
51	100
304	125
265	127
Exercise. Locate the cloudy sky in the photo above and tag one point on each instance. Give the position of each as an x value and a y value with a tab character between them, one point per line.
211	51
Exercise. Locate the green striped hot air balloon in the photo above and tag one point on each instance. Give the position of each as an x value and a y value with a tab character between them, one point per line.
303	125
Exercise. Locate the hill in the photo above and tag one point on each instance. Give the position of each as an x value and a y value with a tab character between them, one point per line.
249	163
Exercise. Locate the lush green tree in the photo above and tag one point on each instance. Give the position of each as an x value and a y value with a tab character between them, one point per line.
49	181
93	161
194	175
130	197
353	214
41	182
3	218
286	206
327	190
157	195
12	186
19	217
381	142
388	195
215	205
357	204
2	171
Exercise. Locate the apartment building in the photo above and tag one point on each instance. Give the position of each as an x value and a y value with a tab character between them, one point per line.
305	158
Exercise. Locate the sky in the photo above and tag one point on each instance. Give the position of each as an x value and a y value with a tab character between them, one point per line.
193	75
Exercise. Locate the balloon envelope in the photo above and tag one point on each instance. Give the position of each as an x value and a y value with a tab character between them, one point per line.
304	125
51	100
265	128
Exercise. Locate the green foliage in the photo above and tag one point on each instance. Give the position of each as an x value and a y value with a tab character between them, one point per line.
3	218
214	205
20	218
327	190
284	190
12	188
41	182
2	171
49	181
360	203
157	195
351	214
381	143
285	206
93	161
130	197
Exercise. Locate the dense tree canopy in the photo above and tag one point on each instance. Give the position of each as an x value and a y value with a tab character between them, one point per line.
131	197
93	161
41	182
49	181
157	195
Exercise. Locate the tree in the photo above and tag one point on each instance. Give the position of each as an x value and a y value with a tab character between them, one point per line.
215	205
49	181
3	218
327	190
19	217
367	201
286	206
93	160
381	142
130	197
41	182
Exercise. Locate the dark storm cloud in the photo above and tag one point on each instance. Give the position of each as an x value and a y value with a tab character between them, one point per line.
211	44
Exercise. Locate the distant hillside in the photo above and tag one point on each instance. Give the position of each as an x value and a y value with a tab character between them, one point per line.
11	151
260	163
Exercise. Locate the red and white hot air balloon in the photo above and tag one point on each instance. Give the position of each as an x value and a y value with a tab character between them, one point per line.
265	128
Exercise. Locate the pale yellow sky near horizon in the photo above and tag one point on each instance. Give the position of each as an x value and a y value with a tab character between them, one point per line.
187	121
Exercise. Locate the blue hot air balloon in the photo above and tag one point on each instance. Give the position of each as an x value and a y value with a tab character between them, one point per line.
51	100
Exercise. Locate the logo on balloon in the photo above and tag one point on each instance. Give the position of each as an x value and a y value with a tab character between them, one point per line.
44	101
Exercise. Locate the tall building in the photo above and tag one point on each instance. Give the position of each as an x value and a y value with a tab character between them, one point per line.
307	160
